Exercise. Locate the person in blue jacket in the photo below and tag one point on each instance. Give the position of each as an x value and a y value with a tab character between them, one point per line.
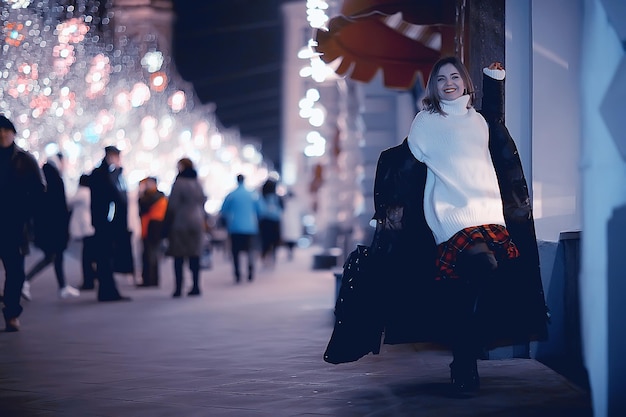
240	211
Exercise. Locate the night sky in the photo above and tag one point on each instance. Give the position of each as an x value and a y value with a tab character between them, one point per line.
231	50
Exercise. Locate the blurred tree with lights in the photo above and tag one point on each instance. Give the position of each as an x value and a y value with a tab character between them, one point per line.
75	81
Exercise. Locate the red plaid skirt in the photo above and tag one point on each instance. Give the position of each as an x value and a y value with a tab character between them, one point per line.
494	235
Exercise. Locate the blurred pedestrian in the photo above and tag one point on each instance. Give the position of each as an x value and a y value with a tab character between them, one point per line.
109	216
291	227
185	225
270	216
152	206
82	229
51	229
22	186
240	211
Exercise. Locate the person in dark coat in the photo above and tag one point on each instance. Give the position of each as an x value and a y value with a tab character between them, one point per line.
185	225
51	229
473	290
270	222
22	186
109	216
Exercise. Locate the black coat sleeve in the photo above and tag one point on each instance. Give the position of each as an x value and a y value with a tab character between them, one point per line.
508	166
526	297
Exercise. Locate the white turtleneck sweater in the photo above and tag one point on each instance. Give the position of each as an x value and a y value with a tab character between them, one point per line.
461	184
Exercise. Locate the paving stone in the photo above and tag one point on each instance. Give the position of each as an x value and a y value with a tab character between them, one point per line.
253	349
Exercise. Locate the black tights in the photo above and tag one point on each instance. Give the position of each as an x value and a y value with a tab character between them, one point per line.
50	257
476	268
194	267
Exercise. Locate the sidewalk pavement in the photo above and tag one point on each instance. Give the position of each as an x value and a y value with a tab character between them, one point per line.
253	349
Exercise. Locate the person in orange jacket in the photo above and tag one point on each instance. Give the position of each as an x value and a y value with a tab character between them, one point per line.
152	207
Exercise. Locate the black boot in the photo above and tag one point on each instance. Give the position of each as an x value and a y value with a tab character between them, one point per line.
476	269
195	290
464	377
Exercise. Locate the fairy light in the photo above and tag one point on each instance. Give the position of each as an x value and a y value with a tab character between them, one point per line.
63	82
319	72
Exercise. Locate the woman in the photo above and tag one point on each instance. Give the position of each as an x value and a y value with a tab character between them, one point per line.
455	240
51	228
184	225
82	229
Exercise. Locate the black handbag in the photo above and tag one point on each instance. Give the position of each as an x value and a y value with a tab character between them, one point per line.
358	323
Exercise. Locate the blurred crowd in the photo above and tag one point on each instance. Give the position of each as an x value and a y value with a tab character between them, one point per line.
113	231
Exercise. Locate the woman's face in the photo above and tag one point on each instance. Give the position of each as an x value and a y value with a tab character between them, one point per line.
450	84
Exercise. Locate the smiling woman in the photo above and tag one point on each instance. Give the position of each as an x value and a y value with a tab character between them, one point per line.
450	84
449	81
454	257
231	50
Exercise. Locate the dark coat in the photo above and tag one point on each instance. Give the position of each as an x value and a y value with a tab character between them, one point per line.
108	198
109	215
51	225
185	216
22	186
400	280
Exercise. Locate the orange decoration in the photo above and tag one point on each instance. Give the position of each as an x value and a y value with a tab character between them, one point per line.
13	35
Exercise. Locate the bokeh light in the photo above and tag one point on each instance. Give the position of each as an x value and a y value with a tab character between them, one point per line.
66	86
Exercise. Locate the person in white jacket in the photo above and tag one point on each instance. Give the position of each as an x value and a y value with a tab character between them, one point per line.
81	229
291	223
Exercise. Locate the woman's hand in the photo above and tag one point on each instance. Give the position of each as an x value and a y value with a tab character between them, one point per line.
496	65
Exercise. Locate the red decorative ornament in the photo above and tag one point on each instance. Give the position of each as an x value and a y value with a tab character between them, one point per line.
158	81
12	31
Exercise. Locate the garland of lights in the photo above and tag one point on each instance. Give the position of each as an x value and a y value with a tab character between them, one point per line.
68	90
